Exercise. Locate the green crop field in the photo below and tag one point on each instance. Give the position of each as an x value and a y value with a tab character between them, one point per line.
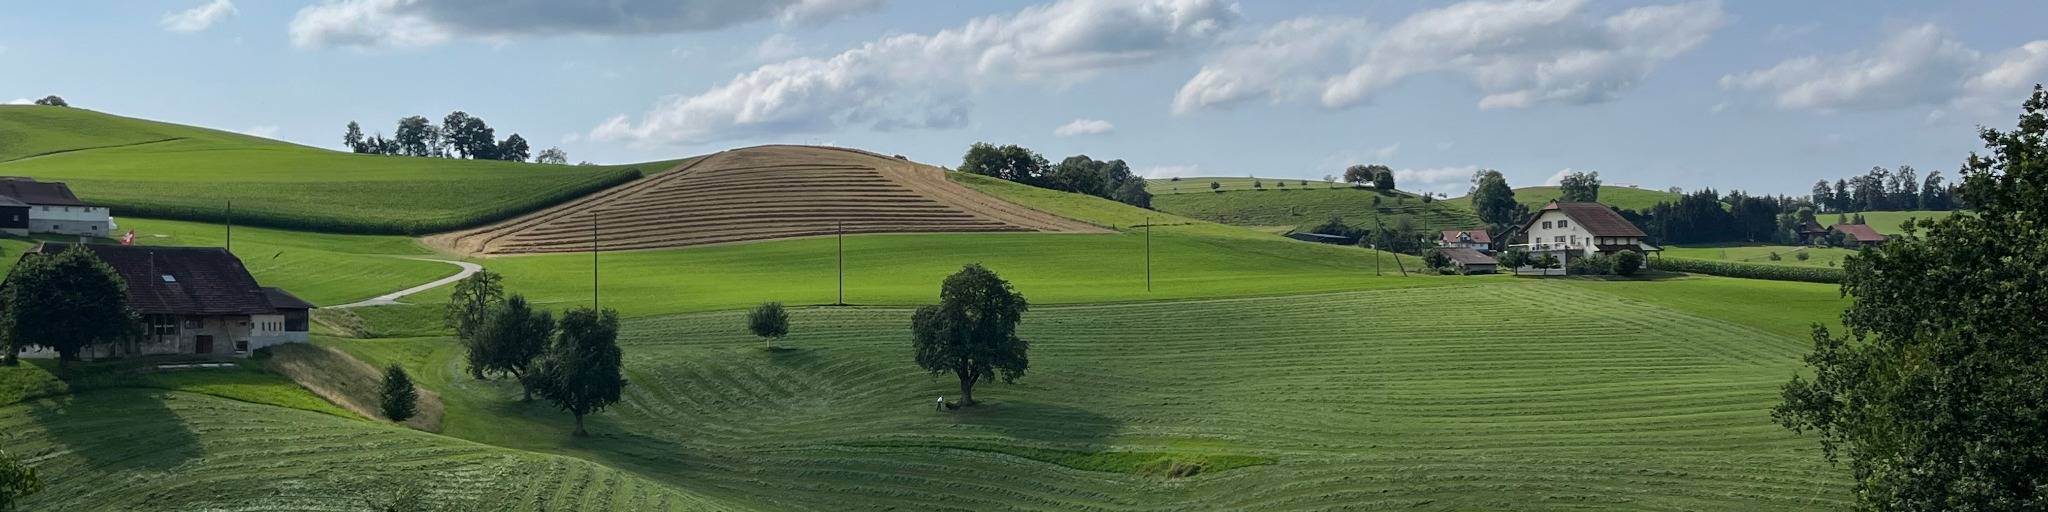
1619	197
150	169
1189	185
1571	394
1303	209
1888	222
1749	253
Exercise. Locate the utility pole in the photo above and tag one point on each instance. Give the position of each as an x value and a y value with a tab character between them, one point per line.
231	225
842	263
1148	254
593	261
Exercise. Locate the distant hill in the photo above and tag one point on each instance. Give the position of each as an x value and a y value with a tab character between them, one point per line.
1301	208
1619	197
163	170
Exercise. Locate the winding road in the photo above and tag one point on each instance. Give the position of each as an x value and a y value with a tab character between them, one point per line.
392	298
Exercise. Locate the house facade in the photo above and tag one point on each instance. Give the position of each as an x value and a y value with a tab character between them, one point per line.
1576	230
1810	233
195	300
50	207
1474	239
1859	235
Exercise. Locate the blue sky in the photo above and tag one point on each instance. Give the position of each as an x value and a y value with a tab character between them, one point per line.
1763	96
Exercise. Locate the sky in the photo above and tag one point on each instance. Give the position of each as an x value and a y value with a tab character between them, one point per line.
1761	96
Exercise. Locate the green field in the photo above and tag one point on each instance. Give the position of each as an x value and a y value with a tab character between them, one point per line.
150	169
1307	208
1888	222
1749	253
1189	185
1619	197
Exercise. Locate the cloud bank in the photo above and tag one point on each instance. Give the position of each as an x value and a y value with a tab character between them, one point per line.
404	23
1914	66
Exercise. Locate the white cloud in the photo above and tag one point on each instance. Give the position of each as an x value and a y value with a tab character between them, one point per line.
1448	180
199	18
776	47
1172	171
402	23
1084	127
1518	53
1914	66
268	131
923	80
1386	152
1558	178
22	101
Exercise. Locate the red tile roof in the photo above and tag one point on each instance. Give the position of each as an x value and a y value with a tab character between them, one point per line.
1596	218
1450	236
1862	233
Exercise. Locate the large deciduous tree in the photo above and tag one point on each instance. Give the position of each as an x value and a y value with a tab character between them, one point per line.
353	138
415	136
582	372
511	340
68	302
1010	162
1382	178
1580	187
972	331
53	101
1936	395
552	156
514	148
1493	200
469	306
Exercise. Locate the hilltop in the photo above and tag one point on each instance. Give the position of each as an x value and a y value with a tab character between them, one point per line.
1298	207
162	170
1620	197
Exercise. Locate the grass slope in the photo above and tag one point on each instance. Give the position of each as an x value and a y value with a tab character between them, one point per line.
1620	197
1307	208
1747	253
1569	395
151	169
1889	222
1189	259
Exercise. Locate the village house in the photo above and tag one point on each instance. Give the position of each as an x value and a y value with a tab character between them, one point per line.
1810	233
1470	261
1580	229
1859	235
195	300
30	206
1474	239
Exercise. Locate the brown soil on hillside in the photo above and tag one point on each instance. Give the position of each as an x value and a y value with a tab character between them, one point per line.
760	193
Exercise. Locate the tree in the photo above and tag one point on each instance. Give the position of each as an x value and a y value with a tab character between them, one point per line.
1580	187
483	143
1359	175
17	481
414	136
511	340
353	138
582	372
768	321
1215	186
1546	262
514	149
67	302
1132	192
468	307
972	331
459	133
1822	195
1935	394
53	101
1514	259
1435	258
1011	163
398	400
552	156
1382	178
1492	199
1626	263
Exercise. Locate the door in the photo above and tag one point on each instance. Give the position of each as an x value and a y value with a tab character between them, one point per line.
205	344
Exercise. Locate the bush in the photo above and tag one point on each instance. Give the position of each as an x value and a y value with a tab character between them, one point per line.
1594	265
769	321
1749	270
1803	256
1435	258
399	401
1776	257
1626	263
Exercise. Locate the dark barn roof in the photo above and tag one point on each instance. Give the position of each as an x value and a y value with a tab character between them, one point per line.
1862	233
281	299
38	193
1464	256
184	280
1596	218
1450	236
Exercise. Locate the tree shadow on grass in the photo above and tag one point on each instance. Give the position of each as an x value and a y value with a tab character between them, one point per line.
118	430
1039	421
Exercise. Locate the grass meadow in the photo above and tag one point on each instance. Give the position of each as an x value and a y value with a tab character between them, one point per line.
1753	253
1303	209
1619	197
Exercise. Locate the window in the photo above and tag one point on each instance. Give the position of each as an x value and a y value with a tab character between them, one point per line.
241	346
195	323
1558	239
170	279
1546	224
163	325
1561	224
1575	239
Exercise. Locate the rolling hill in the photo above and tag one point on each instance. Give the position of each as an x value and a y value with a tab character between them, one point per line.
1619	197
761	193
1296	207
146	168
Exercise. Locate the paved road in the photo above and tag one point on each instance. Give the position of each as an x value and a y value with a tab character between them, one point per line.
392	298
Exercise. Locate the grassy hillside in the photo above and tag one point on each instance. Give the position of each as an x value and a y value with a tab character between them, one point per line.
1620	197
1787	255
1305	402
1302	208
1189	259
1888	222
151	169
1201	184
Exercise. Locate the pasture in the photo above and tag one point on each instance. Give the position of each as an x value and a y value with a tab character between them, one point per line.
1888	223
1304	209
1754	253
162	170
1620	197
1573	394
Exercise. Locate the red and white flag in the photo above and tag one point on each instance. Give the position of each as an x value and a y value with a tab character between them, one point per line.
128	239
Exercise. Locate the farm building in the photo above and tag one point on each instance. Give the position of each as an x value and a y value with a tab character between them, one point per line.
1810	233
1322	238
1474	239
1573	230
1470	261
31	206
1858	235
195	300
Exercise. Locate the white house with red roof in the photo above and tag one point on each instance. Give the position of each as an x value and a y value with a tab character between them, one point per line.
1579	229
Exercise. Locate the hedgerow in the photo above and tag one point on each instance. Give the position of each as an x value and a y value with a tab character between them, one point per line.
1749	270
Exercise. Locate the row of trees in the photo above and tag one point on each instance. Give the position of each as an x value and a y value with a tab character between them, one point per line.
459	135
1884	189
573	362
53	101
1377	176
1112	180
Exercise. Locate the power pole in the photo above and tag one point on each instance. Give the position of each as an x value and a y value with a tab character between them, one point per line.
593	260
1148	254
842	263
231	225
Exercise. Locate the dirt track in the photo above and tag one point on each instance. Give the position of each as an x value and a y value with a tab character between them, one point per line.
760	193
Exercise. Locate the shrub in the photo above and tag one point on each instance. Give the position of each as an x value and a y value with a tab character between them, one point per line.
1749	270
1626	263
769	321
1776	257
1435	258
399	401
1594	265
1803	256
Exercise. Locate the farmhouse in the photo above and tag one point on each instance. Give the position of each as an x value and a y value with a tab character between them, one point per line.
30	206
1810	233
1474	239
1859	235
1572	230
195	300
1470	261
